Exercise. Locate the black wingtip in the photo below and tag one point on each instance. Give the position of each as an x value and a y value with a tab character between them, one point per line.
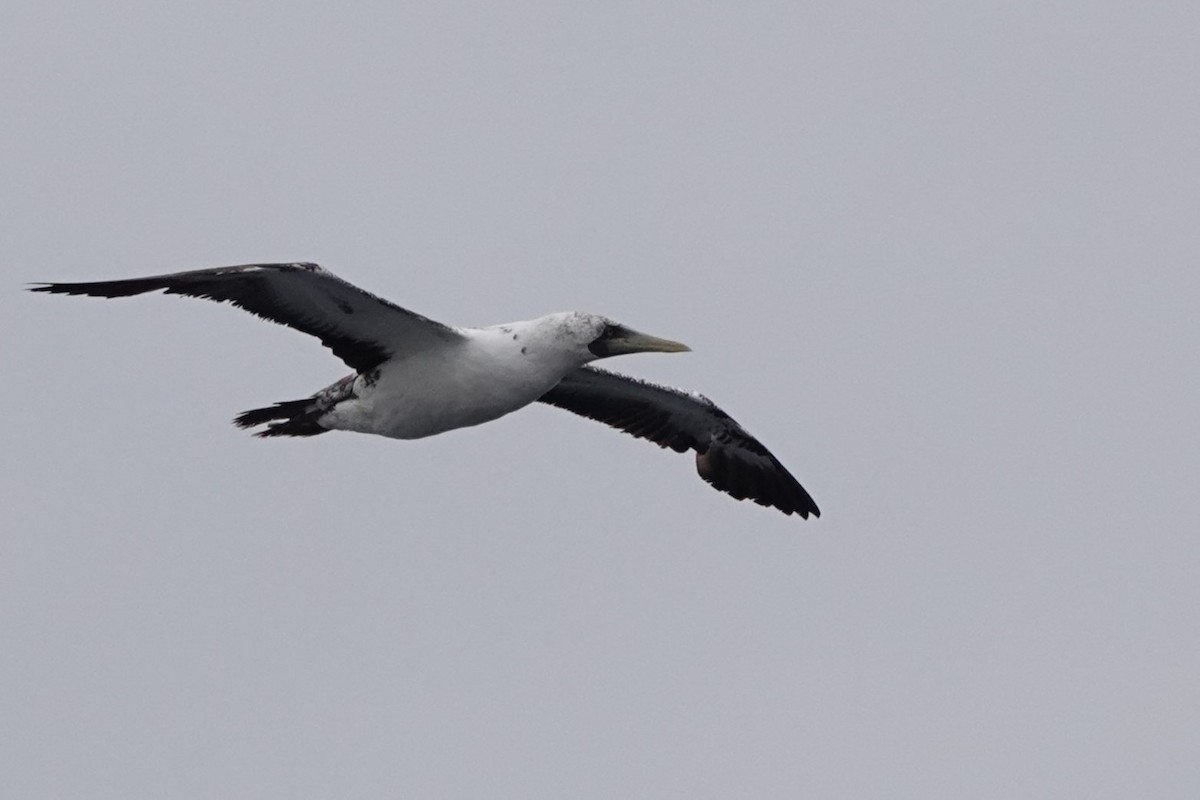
805	505
120	288
772	487
66	288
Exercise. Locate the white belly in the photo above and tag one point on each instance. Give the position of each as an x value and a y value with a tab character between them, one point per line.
431	393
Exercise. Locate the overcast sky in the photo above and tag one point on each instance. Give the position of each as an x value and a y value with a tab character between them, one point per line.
941	258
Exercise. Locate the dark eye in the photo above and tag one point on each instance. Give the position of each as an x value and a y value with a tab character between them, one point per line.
600	345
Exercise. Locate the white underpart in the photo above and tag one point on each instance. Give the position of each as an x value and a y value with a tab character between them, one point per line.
490	373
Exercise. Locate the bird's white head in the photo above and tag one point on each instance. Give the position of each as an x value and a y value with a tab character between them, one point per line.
593	336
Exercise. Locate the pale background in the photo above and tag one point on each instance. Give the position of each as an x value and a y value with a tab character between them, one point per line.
940	257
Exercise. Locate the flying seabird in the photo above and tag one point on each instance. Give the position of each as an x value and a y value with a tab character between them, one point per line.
414	377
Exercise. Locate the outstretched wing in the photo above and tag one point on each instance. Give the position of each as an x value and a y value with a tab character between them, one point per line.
361	329
727	456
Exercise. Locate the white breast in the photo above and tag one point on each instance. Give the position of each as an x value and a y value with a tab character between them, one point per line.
485	376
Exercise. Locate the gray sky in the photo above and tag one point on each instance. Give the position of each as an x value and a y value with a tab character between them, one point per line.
941	258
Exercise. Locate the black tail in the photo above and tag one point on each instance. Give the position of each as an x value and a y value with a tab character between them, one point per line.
299	416
298	421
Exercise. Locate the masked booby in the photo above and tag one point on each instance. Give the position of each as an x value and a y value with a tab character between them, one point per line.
414	377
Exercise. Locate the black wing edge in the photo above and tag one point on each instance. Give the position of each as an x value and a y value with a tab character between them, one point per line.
727	457
246	286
